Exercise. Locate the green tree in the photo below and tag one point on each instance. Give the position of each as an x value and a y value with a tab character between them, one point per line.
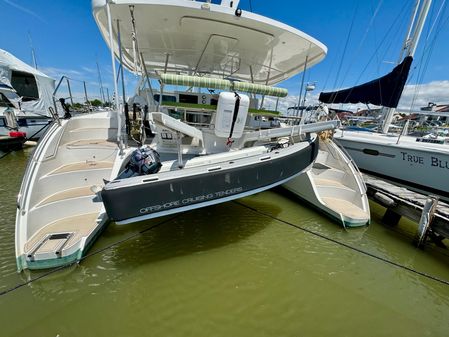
96	102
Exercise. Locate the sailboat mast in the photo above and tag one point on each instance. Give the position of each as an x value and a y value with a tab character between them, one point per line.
420	26
411	42
33	53
406	44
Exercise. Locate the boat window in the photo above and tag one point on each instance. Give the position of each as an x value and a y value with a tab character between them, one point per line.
25	85
191	99
4	102
22	122
2	122
165	98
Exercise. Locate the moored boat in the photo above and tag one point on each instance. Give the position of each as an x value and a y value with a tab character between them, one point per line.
334	186
83	171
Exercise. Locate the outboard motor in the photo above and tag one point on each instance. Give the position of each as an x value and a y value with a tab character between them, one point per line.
143	161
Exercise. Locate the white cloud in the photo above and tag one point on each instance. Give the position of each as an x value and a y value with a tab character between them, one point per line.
89	70
57	73
25	10
417	96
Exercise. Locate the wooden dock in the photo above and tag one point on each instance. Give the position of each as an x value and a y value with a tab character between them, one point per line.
431	214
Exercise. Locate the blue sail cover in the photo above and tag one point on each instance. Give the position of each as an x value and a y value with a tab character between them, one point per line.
385	91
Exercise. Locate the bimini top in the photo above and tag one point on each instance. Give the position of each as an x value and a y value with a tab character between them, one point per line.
196	38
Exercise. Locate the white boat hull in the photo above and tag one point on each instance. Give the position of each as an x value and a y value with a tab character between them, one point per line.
423	167
334	186
33	127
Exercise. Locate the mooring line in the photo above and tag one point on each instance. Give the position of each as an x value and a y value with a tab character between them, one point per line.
67	265
395	264
4	154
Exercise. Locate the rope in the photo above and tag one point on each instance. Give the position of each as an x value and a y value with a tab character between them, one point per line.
356	55
358	250
383	40
346	44
34	134
439	23
101	250
4	154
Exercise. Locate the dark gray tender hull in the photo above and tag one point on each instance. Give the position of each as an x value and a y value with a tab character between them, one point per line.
157	198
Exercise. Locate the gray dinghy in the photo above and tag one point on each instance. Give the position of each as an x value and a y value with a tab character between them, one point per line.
206	180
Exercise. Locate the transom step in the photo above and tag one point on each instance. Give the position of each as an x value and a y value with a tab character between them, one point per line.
52	239
51	243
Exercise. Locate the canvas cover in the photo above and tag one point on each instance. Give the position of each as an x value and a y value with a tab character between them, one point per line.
217	83
45	84
385	91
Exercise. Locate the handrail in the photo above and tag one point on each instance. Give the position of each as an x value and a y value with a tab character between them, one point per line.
68	79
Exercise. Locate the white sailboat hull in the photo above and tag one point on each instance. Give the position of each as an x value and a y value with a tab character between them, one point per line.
419	166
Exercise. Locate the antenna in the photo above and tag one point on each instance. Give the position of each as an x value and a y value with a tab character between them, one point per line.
33	54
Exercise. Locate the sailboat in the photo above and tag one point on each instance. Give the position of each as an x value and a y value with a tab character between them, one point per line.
25	96
93	168
418	163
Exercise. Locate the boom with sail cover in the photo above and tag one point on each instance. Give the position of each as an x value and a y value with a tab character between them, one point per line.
385	91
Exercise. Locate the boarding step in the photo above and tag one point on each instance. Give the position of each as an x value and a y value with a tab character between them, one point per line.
71	193
82	166
345	207
51	241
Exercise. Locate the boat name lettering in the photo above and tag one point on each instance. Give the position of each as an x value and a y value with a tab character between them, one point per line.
412	158
434	161
192	200
440	163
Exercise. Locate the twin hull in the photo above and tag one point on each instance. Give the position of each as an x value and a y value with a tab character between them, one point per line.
150	196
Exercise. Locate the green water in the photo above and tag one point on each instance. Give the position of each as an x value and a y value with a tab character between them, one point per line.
228	271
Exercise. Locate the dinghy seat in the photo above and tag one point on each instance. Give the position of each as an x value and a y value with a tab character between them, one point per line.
345	207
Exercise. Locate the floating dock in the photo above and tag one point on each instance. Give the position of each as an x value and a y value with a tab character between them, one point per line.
431	214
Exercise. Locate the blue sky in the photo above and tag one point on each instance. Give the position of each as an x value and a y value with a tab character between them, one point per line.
67	41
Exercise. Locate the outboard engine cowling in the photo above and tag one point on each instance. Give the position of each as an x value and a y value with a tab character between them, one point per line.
143	161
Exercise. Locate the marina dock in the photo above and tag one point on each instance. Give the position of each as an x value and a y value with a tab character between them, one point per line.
431	214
